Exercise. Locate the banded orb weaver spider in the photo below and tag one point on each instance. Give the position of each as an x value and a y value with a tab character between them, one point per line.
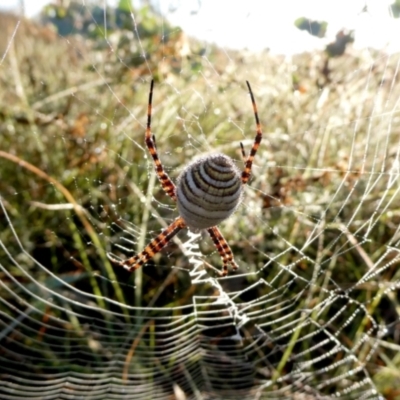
207	192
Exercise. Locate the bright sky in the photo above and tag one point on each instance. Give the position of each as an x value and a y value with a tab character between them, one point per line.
259	24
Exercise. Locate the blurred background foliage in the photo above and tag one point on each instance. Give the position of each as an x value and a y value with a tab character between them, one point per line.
73	101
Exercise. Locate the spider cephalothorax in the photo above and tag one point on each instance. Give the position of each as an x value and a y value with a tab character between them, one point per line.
208	191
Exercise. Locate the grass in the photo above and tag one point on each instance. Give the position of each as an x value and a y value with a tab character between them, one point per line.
74	167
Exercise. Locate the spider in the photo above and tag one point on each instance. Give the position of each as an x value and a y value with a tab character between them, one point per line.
207	192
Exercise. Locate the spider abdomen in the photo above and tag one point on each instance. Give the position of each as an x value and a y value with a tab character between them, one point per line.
208	191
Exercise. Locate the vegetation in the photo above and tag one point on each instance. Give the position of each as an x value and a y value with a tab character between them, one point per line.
73	167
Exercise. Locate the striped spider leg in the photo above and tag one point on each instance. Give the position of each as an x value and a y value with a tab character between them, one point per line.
208	191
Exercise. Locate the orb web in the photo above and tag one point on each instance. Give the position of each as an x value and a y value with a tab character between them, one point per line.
312	311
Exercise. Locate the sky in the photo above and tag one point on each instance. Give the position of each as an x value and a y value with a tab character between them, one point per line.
257	25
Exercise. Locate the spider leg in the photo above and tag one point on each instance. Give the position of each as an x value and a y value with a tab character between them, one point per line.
165	180
223	248
243	152
247	169
155	246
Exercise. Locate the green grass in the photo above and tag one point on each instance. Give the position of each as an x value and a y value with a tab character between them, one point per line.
75	114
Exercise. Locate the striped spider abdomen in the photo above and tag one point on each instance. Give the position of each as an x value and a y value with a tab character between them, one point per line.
208	191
